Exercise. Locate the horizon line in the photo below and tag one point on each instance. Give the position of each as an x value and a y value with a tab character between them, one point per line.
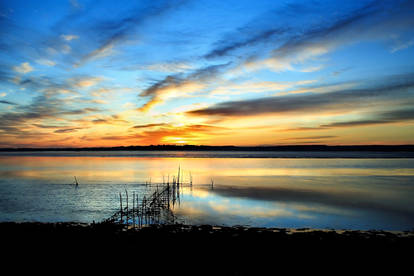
189	147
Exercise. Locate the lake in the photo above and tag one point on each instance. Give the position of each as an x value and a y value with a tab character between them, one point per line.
289	189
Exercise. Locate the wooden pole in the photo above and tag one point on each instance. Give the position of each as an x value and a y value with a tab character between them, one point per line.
126	192
120	202
133	209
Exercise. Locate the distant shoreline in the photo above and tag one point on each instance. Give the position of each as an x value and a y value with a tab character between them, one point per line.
303	148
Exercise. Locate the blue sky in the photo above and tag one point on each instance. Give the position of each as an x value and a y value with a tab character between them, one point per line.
110	73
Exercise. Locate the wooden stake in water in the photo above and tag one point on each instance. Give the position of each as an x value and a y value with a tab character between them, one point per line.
120	203
126	192
133	209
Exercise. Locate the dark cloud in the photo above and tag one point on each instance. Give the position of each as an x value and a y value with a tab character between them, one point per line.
67	130
14	123
311	102
354	123
46	126
305	128
376	118
100	121
312	137
381	118
7	102
149	125
113	119
230	46
293	36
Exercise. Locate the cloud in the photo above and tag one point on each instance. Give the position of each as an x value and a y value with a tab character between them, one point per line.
111	32
230	45
169	67
7	102
402	46
393	116
312	69
67	130
170	134
46	62
377	20
312	137
69	37
46	126
311	103
373	118
75	4
253	87
164	134
149	125
84	82
113	119
23	68
179	85
103	51
17	123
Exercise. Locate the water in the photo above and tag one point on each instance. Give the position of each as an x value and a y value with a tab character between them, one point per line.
340	193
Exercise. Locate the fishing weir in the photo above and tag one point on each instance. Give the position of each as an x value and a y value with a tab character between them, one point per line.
154	208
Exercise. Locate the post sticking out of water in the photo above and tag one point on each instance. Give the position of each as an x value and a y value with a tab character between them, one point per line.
126	192
212	184
133	209
178	177
120	202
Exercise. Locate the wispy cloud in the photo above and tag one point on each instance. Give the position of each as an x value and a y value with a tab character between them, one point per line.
169	67
402	45
69	37
376	20
338	100
112	32
46	62
228	46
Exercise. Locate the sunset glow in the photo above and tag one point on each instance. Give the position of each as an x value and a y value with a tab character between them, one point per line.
248	73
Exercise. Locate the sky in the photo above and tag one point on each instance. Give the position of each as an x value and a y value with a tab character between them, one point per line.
79	73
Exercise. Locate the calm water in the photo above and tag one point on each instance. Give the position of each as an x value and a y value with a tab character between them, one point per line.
342	193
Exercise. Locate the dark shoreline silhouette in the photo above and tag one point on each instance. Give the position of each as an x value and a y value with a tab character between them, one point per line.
310	148
203	249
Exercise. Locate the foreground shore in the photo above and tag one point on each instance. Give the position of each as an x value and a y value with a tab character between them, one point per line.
208	249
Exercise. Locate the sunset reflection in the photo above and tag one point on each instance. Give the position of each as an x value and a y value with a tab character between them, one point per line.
262	192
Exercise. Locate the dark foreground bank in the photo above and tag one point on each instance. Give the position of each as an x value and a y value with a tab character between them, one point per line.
202	250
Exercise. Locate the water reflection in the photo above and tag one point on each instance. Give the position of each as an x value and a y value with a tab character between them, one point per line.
319	193
365	208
